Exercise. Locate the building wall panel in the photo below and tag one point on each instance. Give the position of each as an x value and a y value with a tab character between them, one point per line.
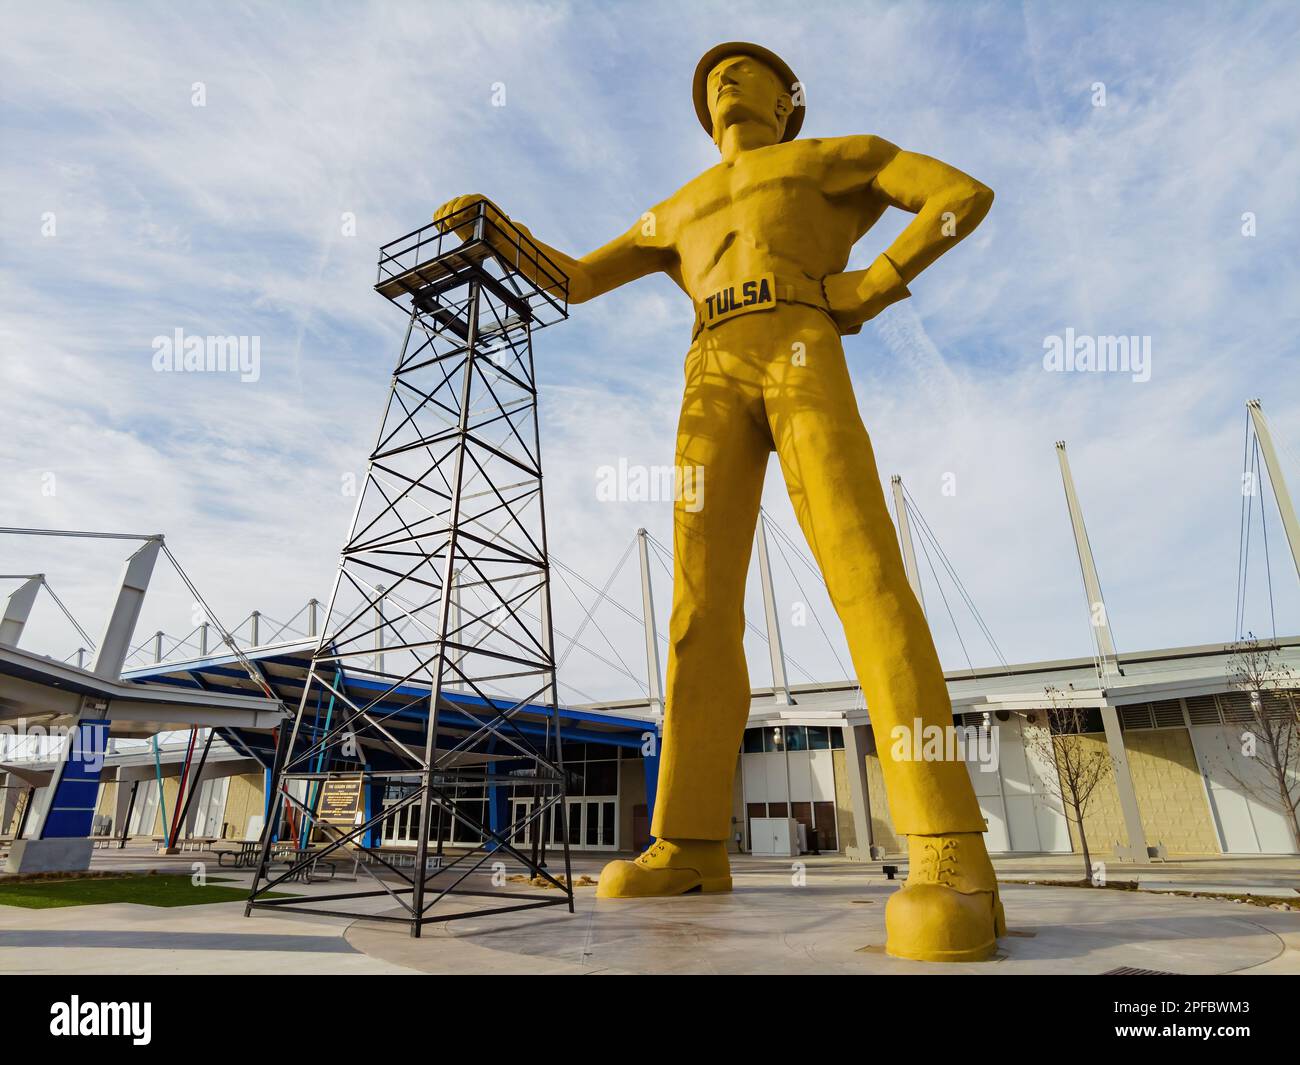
1170	792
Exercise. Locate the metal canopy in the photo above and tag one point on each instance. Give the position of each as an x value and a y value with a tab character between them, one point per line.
286	668
35	687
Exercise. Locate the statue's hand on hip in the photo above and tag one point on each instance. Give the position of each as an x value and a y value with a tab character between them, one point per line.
857	296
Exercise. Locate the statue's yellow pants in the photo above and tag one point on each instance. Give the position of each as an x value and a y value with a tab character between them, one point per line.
778	379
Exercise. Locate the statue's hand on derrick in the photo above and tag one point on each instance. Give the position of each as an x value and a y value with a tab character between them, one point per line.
497	234
857	296
623	259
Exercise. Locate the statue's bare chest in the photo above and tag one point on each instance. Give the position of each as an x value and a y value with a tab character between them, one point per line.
753	192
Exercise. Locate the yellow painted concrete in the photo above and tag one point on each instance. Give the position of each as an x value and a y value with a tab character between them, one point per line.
107	804
243	800
882	823
1170	791
1103	820
848	834
1170	795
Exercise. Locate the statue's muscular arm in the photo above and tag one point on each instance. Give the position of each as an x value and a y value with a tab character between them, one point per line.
632	255
948	205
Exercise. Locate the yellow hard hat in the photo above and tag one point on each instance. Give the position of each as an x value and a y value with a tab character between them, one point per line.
716	55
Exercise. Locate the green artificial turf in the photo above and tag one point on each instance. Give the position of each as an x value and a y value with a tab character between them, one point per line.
143	890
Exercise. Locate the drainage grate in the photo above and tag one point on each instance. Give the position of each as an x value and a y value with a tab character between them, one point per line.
1129	970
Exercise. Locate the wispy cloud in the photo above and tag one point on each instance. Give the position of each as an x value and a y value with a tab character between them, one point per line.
232	218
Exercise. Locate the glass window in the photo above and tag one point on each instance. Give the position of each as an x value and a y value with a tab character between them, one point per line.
837	739
602	778
753	741
774	740
607	824
1088	719
575	774
796	737
462	832
819	738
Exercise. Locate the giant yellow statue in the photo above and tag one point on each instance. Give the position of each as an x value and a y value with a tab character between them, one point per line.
759	243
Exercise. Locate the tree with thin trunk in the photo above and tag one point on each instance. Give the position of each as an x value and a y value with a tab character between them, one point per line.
1269	719
1080	764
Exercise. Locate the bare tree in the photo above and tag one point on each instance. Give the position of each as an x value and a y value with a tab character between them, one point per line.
1080	765
1270	723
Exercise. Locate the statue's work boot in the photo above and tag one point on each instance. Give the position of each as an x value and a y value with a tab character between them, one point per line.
670	867
949	908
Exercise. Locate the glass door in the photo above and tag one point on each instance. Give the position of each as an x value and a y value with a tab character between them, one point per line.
592	823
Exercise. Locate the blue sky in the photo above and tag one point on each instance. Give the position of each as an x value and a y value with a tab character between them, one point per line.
227	219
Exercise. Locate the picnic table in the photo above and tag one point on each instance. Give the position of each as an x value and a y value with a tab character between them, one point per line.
188	843
245	852
315	863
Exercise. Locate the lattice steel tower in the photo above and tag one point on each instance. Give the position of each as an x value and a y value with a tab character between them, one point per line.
434	678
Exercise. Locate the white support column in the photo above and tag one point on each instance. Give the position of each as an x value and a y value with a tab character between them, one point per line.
1088	567
1280	493
905	540
115	644
653	674
1136	849
19	608
379	629
775	650
856	742
312	605
1137	839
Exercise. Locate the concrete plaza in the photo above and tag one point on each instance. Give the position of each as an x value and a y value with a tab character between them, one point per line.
827	917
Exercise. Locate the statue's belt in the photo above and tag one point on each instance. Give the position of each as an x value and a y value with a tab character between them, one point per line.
762	292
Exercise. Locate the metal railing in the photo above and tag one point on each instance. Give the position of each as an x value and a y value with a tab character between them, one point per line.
481	234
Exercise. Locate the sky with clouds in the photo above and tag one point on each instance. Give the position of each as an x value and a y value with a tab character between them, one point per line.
128	212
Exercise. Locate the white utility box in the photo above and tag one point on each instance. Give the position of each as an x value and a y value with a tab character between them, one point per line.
774	836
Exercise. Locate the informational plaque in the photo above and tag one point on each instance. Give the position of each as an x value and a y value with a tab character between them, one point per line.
340	802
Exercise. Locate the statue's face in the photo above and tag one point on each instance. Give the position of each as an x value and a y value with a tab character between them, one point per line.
744	89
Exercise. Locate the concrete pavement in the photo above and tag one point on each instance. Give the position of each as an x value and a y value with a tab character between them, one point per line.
821	915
